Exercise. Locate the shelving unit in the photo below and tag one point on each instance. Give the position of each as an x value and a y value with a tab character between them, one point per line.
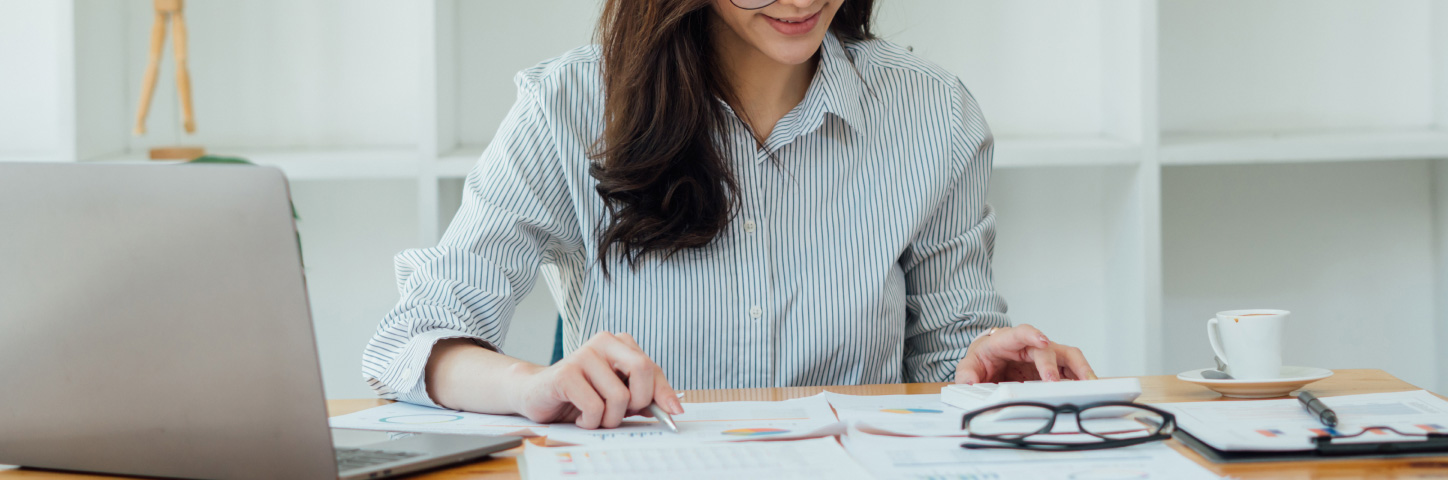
1131	135
1223	148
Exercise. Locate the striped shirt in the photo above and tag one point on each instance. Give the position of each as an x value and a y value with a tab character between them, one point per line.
861	253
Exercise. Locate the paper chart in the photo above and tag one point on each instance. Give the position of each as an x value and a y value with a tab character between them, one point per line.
918	415
1283	425
406	417
938	458
717	422
814	458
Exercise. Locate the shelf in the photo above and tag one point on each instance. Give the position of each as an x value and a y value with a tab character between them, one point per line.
1217	148
317	164
1010	152
457	163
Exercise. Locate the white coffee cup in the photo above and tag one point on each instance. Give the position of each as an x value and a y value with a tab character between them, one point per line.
1249	342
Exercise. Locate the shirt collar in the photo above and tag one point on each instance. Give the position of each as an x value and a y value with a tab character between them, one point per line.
836	88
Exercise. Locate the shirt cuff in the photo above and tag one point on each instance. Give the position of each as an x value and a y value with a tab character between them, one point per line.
403	380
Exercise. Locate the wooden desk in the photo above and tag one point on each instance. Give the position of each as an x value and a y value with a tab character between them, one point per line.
1155	389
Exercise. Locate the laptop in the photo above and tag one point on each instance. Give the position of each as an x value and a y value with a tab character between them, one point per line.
154	321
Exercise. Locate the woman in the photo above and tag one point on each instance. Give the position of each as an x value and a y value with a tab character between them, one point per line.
724	194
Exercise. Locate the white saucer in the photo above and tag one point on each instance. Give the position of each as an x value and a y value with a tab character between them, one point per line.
1292	379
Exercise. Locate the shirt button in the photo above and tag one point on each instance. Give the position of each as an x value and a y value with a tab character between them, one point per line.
750	226
407	372
755	311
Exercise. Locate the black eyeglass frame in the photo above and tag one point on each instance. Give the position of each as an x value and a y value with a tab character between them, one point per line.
1380	428
1020	442
736	4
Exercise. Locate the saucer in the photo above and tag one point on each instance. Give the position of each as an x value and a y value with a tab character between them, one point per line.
1292	379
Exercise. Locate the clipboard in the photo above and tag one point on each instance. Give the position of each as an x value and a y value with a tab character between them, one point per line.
1434	445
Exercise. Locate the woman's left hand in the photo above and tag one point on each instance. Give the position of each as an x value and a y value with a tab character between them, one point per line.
1020	353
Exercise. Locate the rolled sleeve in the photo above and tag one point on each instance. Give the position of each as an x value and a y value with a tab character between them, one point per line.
950	297
515	215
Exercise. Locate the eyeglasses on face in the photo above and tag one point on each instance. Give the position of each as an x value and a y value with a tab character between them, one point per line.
752	4
1021	425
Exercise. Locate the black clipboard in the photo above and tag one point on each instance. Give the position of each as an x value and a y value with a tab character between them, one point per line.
1435	445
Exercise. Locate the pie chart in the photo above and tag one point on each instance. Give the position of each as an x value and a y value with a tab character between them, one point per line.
753	432
422	419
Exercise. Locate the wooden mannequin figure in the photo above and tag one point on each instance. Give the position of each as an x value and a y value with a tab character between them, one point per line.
172	10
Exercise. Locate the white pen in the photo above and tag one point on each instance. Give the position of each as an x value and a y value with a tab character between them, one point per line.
664	417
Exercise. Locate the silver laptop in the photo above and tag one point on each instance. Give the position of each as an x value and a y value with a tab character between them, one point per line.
154	321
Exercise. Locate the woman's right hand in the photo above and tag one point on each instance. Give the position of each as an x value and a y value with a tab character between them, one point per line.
605	380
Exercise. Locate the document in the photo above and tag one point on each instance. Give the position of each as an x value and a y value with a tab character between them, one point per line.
929	458
926	416
1283	425
701	422
916	415
406	417
717	422
815	458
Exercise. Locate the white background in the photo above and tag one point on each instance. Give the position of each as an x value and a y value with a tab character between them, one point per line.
1157	161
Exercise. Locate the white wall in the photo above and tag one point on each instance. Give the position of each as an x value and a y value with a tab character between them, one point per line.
1440	61
1049	252
1440	192
490	53
1294	65
349	233
31	40
1440	267
282	73
1346	247
1053	63
100	114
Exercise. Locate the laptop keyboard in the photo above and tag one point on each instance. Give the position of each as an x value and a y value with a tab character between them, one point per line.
353	458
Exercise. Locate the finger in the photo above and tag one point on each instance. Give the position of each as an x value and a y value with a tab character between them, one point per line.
664	394
1010	343
630	359
607	384
1045	360
568	414
628	340
1075	361
1027	334
580	393
970	370
640	372
641	388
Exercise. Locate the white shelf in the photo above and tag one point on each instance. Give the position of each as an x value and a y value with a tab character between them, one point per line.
1238	148
316	164
1010	152
457	163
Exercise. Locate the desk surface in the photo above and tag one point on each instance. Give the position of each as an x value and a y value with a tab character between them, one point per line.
1155	389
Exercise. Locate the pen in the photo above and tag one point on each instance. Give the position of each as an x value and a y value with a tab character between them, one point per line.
663	417
1319	409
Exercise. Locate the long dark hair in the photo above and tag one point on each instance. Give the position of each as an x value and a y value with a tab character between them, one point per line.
660	167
